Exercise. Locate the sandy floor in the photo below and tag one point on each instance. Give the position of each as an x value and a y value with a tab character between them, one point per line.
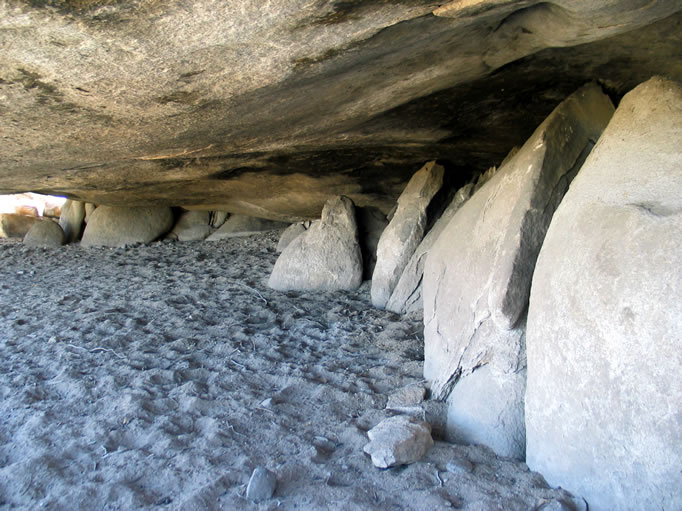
161	376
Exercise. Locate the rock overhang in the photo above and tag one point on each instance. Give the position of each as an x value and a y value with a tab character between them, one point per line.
269	109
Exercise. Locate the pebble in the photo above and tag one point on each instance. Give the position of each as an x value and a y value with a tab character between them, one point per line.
459	466
261	485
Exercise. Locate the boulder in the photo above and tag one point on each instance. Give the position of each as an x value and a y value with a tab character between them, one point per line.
117	226
604	335
290	234
196	225
371	224
71	219
89	209
405	231
15	226
477	276
45	233
407	295
26	210
326	257
399	440
242	225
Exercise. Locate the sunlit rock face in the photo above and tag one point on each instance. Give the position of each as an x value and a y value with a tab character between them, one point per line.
270	108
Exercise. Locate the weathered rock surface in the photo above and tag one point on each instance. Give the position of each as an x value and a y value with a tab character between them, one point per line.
404	232
262	485
605	317
117	226
196	225
242	225
71	219
290	234
264	114
407	295
325	257
478	273
45	233
398	440
15	226
407	397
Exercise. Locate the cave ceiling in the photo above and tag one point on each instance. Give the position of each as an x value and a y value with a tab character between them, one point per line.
269	108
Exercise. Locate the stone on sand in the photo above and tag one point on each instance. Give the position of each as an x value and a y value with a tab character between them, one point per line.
405	231
196	225
290	234
71	219
45	233
115	226
243	225
398	440
407	397
605	317
262	485
15	226
407	295
326	257
478	273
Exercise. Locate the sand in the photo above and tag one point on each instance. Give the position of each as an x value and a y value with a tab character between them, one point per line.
160	376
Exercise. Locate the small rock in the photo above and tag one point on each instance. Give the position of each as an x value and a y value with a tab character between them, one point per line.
261	485
407	397
398	441
267	403
459	466
564	505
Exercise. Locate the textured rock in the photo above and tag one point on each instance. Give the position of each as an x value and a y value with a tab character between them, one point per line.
118	226
15	226
398	440
196	225
71	219
45	233
262	485
290	234
407	295
605	317
242	225
264	113
478	273
407	397
326	257
404	232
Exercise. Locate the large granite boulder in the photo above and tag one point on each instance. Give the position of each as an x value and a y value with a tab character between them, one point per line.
407	295
45	233
478	273
604	335
196	225
242	225
15	226
290	234
117	226
326	257
71	219
404	232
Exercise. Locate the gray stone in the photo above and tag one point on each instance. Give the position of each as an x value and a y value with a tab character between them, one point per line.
605	317
289	234
242	225
405	231
262	485
398	440
326	257
407	295
117	226
407	397
477	274
71	219
45	233
194	225
15	226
